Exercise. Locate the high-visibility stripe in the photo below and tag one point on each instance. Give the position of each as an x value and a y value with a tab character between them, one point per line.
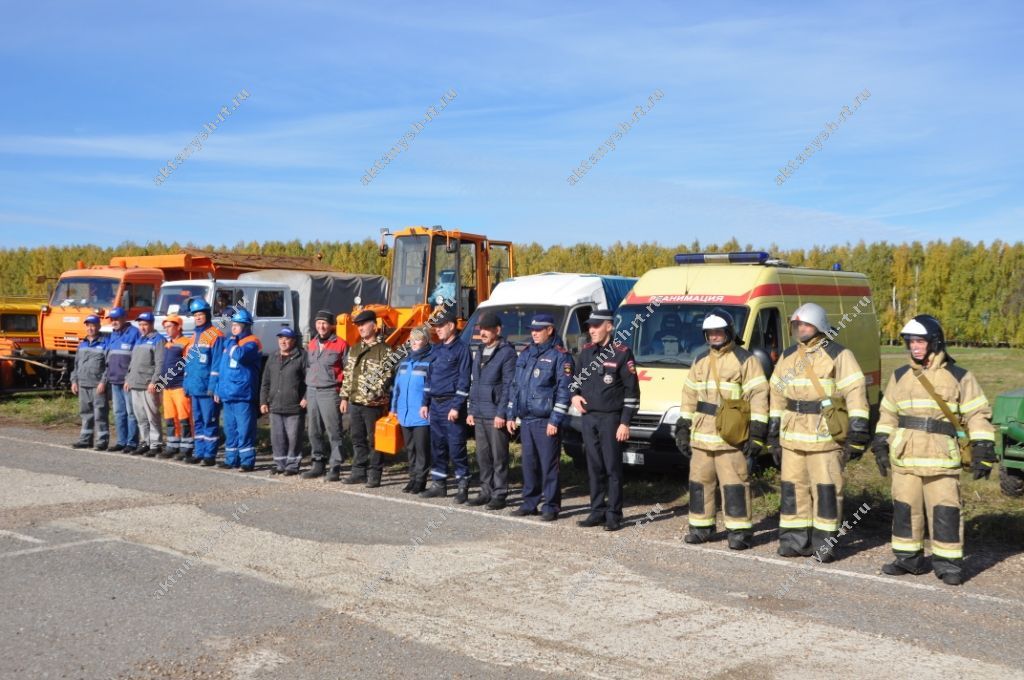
701	522
948	553
795	523
926	404
759	417
686	415
737	525
806	438
974	404
825	524
689	383
884	429
751	384
775	413
889	406
983	436
927	462
904	545
806	382
707	438
850	380
859	413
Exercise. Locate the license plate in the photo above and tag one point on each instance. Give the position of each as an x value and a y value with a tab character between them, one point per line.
630	457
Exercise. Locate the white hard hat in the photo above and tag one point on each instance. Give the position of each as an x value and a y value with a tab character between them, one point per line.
712	321
812	314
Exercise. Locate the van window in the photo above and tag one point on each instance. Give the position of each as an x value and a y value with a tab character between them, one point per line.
270	303
227	297
138	295
576	334
668	335
767	333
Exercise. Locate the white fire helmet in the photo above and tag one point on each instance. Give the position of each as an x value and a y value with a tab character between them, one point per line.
812	314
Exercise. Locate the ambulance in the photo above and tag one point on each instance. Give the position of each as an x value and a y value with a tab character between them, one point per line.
661	320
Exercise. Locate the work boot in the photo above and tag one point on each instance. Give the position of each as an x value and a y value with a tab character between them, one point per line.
480	499
409	486
373	481
354	478
116	448
418	487
915	565
739	540
154	451
462	495
694	537
224	465
182	455
102	446
437	489
590	521
168	453
334	475
141	449
209	462
952	578
612	524
496	504
82	444
315	470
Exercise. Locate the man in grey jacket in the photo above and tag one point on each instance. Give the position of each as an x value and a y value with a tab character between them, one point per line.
143	376
93	404
283	397
326	361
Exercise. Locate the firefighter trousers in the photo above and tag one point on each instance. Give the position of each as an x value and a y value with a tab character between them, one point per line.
935	499
812	499
709	471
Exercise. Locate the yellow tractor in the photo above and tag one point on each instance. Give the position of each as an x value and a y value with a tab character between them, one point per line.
433	269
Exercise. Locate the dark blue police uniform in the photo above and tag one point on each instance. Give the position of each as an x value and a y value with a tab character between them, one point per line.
446	388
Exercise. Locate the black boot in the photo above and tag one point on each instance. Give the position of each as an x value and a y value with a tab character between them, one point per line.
462	495
316	470
907	564
740	540
695	536
480	499
335	474
102	446
155	451
373	480
438	489
418	487
82	444
409	486
141	450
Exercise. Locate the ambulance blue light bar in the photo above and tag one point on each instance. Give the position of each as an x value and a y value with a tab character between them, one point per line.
752	257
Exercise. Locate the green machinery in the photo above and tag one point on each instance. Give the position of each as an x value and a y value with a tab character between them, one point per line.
1008	418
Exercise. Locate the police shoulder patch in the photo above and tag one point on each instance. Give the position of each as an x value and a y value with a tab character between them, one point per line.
567	368
631	366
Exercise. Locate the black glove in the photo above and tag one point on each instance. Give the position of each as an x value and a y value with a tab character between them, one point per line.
880	447
858	438
683	438
752	449
983	455
773	446
853	451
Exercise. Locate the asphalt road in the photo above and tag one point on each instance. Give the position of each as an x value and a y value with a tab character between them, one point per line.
114	566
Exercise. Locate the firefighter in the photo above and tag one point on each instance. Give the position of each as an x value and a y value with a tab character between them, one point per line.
445	392
141	380
810	374
917	441
725	371
539	399
206	346
177	406
324	373
93	401
119	345
236	385
365	389
607	394
493	366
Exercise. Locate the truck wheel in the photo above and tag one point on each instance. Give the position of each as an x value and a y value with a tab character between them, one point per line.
1011	481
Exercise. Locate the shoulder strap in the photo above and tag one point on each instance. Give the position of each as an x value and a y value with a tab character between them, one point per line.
811	374
939	401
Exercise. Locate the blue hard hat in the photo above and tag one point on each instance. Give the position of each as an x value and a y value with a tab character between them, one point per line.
198	305
116	313
286	332
241	315
541	321
145	316
92	318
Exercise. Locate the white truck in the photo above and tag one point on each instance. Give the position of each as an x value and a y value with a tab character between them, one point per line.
275	297
569	298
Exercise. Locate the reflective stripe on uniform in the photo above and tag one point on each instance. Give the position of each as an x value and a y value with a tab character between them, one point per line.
948	553
889	406
983	436
701	522
974	404
825	524
904	545
849	380
884	429
795	523
926	462
859	413
736	525
759	417
706	438
930	404
815	438
754	382
686	415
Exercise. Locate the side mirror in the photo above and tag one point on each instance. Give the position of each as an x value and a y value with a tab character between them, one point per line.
451	246
766	361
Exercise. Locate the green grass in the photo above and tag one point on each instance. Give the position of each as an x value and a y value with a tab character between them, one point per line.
49	411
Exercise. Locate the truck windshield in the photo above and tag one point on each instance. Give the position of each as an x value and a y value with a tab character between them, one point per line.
668	335
409	271
515	322
179	295
85	291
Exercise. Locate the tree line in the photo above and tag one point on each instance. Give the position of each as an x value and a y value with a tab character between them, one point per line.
977	290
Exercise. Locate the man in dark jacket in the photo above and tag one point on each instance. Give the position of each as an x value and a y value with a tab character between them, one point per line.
325	362
539	397
493	365
119	346
283	396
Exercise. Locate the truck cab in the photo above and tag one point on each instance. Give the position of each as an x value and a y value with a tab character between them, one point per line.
269	302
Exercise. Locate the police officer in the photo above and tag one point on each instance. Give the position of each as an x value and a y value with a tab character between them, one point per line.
236	385
365	389
93	402
799	437
206	347
539	398
917	441
607	393
326	357
445	392
724	371
119	346
493	367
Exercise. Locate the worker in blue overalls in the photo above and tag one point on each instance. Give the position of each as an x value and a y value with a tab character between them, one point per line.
236	385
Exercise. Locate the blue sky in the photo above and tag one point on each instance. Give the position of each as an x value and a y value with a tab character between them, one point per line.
99	96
